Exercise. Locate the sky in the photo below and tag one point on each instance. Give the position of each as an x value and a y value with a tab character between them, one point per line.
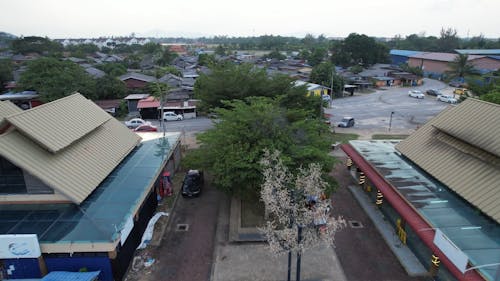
195	18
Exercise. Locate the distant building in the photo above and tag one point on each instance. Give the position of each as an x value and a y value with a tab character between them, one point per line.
399	57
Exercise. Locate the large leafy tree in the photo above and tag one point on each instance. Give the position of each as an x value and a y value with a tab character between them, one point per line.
359	49
230	81
448	41
324	73
461	67
110	87
54	79
34	44
493	96
232	150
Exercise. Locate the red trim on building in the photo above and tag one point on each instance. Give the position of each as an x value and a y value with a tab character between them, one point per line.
408	213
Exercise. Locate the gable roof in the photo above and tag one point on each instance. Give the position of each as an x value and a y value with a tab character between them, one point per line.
448	57
88	145
7	108
461	148
64	121
137	76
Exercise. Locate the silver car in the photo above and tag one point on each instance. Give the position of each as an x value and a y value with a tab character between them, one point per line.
447	98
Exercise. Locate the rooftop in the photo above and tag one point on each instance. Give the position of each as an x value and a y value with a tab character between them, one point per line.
473	233
104	214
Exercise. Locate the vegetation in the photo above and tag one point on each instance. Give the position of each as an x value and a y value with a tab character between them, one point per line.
54	79
113	69
460	67
34	44
230	81
5	72
232	150
359	49
388	137
323	74
493	96
275	55
343	137
109	87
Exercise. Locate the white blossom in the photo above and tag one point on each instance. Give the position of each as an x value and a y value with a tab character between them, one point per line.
293	201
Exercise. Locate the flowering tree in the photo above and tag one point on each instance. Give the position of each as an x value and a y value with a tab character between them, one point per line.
298	213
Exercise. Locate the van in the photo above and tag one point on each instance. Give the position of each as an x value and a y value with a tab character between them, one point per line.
171	116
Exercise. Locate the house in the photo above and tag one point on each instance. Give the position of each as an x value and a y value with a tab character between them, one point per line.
24	99
134	80
94	72
110	106
172	80
438	189
313	89
133	100
77	188
177	100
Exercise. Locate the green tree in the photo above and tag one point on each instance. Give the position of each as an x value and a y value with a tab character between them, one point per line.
323	73
109	87
317	56
34	44
133	61
82	50
54	79
206	59
493	96
5	72
151	48
448	41
113	69
276	54
220	50
460	67
359	49
166	57
232	150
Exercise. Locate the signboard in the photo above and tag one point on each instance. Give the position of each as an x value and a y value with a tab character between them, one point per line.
452	252
127	228
15	246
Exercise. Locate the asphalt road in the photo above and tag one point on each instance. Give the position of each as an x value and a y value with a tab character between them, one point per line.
373	111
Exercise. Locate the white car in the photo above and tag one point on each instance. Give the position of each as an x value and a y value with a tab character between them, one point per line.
171	116
447	98
135	122
416	94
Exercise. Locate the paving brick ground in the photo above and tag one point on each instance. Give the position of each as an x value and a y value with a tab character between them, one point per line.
362	252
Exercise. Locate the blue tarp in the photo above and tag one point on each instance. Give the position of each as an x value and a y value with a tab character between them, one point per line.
71	276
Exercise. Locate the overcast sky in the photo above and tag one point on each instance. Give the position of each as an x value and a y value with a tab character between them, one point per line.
194	18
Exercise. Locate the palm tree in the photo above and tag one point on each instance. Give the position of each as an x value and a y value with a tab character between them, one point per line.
461	67
159	91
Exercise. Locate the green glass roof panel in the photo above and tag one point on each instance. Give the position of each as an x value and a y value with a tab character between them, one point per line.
103	214
475	234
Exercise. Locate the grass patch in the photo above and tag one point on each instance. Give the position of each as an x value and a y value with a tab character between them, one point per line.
252	213
388	137
343	138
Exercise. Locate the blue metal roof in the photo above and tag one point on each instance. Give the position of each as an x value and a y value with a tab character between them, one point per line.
103	215
403	53
71	276
478	51
473	233
495	57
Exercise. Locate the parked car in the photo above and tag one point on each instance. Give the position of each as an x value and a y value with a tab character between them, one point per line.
146	128
192	183
457	83
171	116
447	98
416	94
135	122
461	91
433	92
346	122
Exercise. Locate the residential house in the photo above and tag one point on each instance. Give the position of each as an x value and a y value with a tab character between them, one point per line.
110	106
133	101
439	190
76	188
134	80
172	80
313	89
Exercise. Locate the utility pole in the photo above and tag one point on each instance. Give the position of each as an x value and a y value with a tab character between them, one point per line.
390	121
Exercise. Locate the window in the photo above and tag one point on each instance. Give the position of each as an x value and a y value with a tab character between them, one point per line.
11	178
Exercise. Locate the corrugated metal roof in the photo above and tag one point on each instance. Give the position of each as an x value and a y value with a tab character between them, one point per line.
479	51
137	76
403	53
149	102
8	108
58	124
77	170
460	148
449	57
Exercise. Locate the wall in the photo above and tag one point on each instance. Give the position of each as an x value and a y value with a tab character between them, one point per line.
486	64
429	65
134	84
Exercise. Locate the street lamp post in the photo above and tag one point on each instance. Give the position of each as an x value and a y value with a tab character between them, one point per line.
390	120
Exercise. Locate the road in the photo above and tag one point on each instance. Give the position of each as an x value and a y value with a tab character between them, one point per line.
373	111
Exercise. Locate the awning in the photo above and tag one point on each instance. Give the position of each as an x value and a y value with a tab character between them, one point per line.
71	276
410	215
